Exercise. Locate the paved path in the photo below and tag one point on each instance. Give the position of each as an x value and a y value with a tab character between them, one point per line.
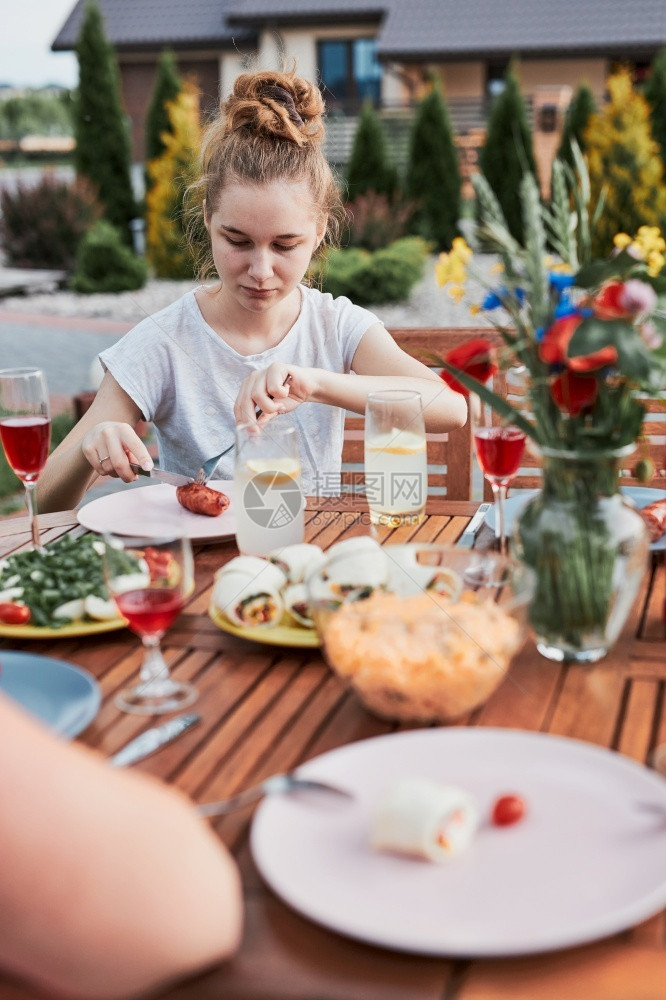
65	348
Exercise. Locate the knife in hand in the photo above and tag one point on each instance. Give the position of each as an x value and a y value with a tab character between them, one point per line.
153	739
172	478
468	537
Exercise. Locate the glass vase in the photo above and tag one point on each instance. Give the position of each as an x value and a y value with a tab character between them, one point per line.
588	547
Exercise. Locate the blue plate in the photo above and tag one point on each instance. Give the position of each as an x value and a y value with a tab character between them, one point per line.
63	696
641	496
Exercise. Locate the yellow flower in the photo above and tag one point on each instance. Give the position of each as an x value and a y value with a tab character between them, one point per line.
655	262
457	292
460	249
649	240
621	240
562	268
475	309
450	268
497	268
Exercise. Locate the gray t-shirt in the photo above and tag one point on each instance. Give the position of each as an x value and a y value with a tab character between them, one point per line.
185	379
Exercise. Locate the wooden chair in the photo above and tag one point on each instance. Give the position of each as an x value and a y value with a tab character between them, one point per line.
449	454
514	388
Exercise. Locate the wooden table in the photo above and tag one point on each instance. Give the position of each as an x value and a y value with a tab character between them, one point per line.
266	709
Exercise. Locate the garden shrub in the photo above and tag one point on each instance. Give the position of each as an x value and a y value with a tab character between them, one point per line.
171	174
102	152
42	224
582	106
387	275
374	222
655	95
624	164
105	264
508	153
167	87
370	167
433	179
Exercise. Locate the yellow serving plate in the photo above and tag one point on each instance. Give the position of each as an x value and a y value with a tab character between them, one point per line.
66	632
278	635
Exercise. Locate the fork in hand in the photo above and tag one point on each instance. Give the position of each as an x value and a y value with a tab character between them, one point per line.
207	469
278	783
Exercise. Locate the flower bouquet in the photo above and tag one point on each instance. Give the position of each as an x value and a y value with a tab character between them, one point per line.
589	337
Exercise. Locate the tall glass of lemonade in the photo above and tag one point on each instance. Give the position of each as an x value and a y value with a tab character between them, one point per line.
396	464
267	488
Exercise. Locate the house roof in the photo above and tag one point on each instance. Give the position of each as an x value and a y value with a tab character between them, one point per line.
408	30
154	24
422	29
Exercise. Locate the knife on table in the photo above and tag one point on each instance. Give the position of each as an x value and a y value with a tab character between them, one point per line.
468	537
172	478
153	739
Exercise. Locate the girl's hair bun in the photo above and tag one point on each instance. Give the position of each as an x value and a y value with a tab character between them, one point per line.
277	105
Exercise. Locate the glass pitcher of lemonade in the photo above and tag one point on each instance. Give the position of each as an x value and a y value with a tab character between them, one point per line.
396	464
267	488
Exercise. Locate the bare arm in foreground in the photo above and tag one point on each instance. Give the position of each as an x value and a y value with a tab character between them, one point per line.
110	884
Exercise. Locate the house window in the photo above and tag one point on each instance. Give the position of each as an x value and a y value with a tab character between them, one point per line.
349	72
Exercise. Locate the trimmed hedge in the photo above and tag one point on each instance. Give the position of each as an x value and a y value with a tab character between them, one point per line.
387	275
105	264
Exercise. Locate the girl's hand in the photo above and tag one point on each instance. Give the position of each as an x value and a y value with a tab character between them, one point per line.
110	447
277	389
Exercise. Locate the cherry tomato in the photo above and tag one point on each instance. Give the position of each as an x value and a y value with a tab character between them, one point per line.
14	614
508	809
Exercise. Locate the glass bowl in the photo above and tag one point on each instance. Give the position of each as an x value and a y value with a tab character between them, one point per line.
421	632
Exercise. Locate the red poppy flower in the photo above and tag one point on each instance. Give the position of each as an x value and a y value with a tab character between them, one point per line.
608	303
475	357
555	345
574	393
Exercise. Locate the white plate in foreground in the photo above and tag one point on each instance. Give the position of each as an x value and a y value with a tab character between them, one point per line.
152	511
641	496
585	861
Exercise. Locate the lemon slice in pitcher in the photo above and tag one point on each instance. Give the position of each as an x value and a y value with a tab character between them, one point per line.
274	471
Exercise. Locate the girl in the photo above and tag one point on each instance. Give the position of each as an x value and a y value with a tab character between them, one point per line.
258	338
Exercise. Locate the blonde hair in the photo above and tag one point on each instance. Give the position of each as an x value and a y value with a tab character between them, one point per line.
270	128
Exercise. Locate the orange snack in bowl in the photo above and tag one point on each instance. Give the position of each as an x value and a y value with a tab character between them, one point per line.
422	658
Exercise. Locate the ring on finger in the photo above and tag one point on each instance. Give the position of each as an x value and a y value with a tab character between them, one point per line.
102	460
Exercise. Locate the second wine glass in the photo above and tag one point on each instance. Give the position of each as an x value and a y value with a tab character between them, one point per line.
149	580
499	451
25	430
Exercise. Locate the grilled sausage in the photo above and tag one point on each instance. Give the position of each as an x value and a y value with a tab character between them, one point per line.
202	499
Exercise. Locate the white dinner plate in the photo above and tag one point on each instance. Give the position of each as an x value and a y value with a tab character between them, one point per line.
641	495
586	861
154	510
63	696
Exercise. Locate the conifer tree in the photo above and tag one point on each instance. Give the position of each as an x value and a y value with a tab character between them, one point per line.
655	95
507	153
370	167
102	151
433	179
577	117
171	175
624	165
167	87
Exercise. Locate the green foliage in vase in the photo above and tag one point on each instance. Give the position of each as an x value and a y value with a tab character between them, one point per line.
582	106
624	165
433	181
370	167
102	135
655	95
167	87
507	154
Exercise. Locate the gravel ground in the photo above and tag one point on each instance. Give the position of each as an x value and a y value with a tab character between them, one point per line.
428	304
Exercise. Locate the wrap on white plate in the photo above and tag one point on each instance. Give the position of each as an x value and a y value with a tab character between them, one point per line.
298	561
255	568
246	602
424	819
297	604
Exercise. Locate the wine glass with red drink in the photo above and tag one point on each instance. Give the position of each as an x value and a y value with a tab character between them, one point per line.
149	580
25	430
499	451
